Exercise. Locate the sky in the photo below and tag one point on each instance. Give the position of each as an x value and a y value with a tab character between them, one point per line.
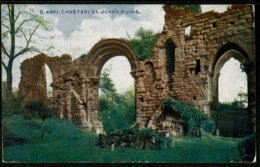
75	33
231	81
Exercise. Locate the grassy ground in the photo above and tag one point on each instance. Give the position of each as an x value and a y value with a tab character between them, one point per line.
63	142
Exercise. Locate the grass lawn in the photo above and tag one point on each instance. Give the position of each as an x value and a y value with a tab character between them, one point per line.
63	142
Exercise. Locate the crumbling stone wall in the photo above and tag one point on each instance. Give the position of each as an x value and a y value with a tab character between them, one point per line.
183	66
199	56
33	75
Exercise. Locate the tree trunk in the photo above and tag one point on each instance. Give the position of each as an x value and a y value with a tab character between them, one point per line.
12	54
42	130
9	81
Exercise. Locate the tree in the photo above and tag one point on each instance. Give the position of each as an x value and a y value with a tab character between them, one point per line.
4	87
116	110
108	96
143	43
242	99
18	30
107	86
14	107
37	109
130	94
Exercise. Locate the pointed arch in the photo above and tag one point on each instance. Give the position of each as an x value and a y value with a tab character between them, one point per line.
226	52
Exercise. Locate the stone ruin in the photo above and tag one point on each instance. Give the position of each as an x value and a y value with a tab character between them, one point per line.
134	139
183	66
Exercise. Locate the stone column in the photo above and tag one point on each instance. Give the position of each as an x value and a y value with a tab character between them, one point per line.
92	103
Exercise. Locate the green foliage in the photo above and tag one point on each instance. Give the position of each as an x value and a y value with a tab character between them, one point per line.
195	8
109	94
28	131
106	84
242	99
162	141
13	106
143	43
39	20
225	108
37	109
208	126
144	135
247	148
58	146
116	110
4	89
118	113
231	119
19	26
192	117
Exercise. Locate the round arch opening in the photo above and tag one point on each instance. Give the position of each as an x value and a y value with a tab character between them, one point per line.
102	52
116	104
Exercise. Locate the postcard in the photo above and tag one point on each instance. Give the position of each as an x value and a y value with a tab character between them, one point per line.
128	83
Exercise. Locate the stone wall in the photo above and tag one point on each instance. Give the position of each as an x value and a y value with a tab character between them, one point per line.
183	66
199	56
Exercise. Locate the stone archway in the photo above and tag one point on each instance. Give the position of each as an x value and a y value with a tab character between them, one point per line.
108	48
225	53
97	57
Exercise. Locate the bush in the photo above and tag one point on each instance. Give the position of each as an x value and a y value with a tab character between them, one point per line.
37	109
195	8
193	118
12	107
118	115
232	120
208	125
246	148
116	110
226	107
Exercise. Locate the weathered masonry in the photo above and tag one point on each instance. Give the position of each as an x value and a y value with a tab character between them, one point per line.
183	66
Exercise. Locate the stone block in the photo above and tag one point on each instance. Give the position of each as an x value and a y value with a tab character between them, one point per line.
248	16
246	12
205	31
240	22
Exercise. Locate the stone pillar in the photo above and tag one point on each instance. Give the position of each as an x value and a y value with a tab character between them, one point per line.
250	70
92	105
